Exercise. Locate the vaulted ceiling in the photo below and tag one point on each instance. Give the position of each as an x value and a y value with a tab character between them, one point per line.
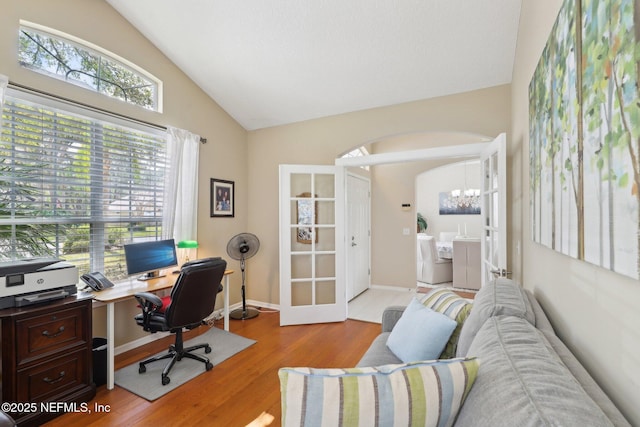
269	63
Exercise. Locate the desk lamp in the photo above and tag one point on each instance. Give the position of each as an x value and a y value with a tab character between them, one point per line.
187	251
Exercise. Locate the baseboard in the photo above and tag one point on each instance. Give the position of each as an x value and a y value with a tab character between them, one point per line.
140	341
262	304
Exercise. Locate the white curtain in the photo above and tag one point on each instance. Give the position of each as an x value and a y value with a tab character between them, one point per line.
4	80
181	186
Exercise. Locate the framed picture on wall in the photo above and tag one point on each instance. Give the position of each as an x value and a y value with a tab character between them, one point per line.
222	198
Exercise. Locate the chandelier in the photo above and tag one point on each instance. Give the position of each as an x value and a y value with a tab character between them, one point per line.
463	199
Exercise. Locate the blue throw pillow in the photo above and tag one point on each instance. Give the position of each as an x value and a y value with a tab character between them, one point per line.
420	334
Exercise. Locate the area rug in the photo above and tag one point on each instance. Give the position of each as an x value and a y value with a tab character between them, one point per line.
149	385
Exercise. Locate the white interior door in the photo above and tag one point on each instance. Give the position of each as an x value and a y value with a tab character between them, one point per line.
312	244
494	209
358	235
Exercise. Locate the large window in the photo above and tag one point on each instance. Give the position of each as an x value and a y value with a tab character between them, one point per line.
75	61
77	185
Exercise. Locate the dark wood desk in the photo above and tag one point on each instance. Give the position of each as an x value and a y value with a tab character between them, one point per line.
125	290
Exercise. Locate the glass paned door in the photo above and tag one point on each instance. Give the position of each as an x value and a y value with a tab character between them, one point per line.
494	210
312	269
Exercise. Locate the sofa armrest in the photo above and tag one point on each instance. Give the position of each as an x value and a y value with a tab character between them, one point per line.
390	317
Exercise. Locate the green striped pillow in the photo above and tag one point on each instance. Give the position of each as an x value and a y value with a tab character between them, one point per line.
455	307
417	394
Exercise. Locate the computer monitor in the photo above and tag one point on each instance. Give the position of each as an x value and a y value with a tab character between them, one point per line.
150	258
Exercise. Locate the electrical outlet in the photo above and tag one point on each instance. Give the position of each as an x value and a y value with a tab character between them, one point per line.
406	231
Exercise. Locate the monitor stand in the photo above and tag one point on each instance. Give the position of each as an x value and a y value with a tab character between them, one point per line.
151	275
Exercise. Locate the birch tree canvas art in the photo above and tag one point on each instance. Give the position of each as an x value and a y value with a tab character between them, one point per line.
584	134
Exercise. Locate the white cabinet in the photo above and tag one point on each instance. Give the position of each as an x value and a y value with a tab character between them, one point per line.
466	263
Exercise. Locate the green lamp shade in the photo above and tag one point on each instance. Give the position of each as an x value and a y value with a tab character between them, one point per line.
187	244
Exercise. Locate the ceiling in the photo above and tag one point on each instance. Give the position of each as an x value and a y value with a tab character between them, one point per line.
269	63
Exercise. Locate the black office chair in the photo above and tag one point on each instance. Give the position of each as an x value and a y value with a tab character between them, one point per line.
193	299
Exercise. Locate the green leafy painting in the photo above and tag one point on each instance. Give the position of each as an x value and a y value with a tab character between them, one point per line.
584	134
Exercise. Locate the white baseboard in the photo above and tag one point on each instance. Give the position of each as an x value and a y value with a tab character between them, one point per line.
262	304
140	341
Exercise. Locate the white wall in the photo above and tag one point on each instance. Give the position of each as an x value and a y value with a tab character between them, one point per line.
431	183
593	310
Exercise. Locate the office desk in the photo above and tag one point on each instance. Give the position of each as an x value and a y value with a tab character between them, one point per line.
125	290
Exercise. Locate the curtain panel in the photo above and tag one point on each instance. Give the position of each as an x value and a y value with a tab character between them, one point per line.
181	185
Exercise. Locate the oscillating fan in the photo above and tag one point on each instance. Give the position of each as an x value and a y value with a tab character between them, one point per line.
241	247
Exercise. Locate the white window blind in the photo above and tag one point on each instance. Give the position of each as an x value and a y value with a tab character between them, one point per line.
77	186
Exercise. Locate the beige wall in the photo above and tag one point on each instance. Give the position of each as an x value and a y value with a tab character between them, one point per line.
593	310
483	112
185	106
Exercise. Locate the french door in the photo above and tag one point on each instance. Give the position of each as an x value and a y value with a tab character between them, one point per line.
312	267
494	209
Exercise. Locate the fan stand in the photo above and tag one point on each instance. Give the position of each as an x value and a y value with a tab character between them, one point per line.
244	312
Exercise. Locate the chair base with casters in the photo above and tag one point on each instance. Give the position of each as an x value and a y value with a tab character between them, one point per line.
192	300
176	353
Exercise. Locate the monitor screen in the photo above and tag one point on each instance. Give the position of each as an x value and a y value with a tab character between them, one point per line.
150	257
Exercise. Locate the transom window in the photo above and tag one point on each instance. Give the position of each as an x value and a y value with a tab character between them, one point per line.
75	61
77	185
357	152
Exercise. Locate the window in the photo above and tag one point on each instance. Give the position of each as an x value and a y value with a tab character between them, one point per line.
77	185
75	61
357	152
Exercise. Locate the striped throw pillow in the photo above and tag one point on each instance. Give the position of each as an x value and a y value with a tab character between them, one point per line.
453	306
417	394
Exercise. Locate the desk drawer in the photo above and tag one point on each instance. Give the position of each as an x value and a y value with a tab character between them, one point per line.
50	332
55	377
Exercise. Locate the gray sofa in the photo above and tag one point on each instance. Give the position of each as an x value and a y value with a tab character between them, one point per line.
527	376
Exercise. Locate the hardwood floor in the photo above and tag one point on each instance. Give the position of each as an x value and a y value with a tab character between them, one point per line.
236	391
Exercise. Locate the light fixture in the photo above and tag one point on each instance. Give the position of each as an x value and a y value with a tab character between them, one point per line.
187	250
463	199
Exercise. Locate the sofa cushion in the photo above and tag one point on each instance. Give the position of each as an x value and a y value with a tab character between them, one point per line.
499	297
522	382
378	353
416	394
420	334
453	306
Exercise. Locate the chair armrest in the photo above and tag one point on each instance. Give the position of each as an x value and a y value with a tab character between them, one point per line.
147	299
150	305
390	317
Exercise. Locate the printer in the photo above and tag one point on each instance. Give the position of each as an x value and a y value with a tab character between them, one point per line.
36	280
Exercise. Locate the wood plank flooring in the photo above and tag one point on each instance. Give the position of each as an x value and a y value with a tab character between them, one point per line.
236	391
